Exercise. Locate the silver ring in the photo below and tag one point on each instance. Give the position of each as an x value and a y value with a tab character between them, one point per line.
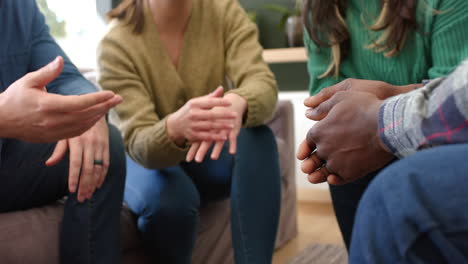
98	162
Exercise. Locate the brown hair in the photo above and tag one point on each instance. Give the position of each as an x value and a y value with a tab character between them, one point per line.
131	10
326	25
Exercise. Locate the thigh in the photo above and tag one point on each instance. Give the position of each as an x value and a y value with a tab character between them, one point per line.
149	190
424	195
25	180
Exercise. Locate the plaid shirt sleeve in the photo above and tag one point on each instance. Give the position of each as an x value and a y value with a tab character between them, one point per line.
434	115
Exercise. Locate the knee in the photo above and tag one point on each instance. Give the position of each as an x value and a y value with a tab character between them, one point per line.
257	143
258	152
261	137
173	208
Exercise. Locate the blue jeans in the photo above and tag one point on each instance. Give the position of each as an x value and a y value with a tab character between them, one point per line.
167	201
416	211
90	231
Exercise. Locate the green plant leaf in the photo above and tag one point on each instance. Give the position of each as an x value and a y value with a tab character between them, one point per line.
283	20
278	8
253	16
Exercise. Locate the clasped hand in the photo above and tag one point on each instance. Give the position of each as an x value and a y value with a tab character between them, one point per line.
206	121
345	144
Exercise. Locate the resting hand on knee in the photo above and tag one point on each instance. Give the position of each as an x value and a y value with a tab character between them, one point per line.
89	159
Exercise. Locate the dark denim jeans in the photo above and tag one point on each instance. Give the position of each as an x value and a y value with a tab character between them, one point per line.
167	201
416	211
345	200
90	231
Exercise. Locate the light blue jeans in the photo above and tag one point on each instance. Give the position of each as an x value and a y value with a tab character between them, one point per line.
167	201
416	211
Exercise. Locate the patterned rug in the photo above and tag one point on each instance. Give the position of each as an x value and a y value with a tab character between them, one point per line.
322	254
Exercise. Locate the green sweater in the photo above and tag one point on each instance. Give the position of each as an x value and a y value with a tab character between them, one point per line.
220	41
439	45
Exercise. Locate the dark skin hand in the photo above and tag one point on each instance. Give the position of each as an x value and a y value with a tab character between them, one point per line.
346	138
381	90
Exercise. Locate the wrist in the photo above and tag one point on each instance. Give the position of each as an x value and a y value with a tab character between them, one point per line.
406	89
238	102
380	143
173	133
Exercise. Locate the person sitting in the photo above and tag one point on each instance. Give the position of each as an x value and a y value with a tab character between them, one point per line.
413	211
396	42
54	139
166	58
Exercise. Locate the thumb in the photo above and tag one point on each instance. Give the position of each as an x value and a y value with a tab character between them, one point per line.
326	93
321	111
58	154
46	74
217	93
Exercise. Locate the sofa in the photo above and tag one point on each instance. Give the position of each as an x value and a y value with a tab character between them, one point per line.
31	236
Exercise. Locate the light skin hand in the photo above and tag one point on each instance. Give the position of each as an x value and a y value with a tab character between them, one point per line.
195	120
346	141
198	150
85	176
46	117
381	90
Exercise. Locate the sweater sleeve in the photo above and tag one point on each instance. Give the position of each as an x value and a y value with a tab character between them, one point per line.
251	76
317	64
434	115
448	36
144	132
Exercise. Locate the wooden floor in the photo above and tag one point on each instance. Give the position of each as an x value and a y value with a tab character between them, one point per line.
316	223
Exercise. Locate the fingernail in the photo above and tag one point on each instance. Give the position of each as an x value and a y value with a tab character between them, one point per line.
55	63
310	113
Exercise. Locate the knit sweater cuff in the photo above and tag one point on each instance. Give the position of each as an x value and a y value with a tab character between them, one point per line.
157	150
169	146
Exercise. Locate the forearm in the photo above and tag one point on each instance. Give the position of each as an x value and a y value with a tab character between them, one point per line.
245	66
433	115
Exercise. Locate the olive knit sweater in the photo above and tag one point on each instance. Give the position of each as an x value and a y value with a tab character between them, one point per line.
220	41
